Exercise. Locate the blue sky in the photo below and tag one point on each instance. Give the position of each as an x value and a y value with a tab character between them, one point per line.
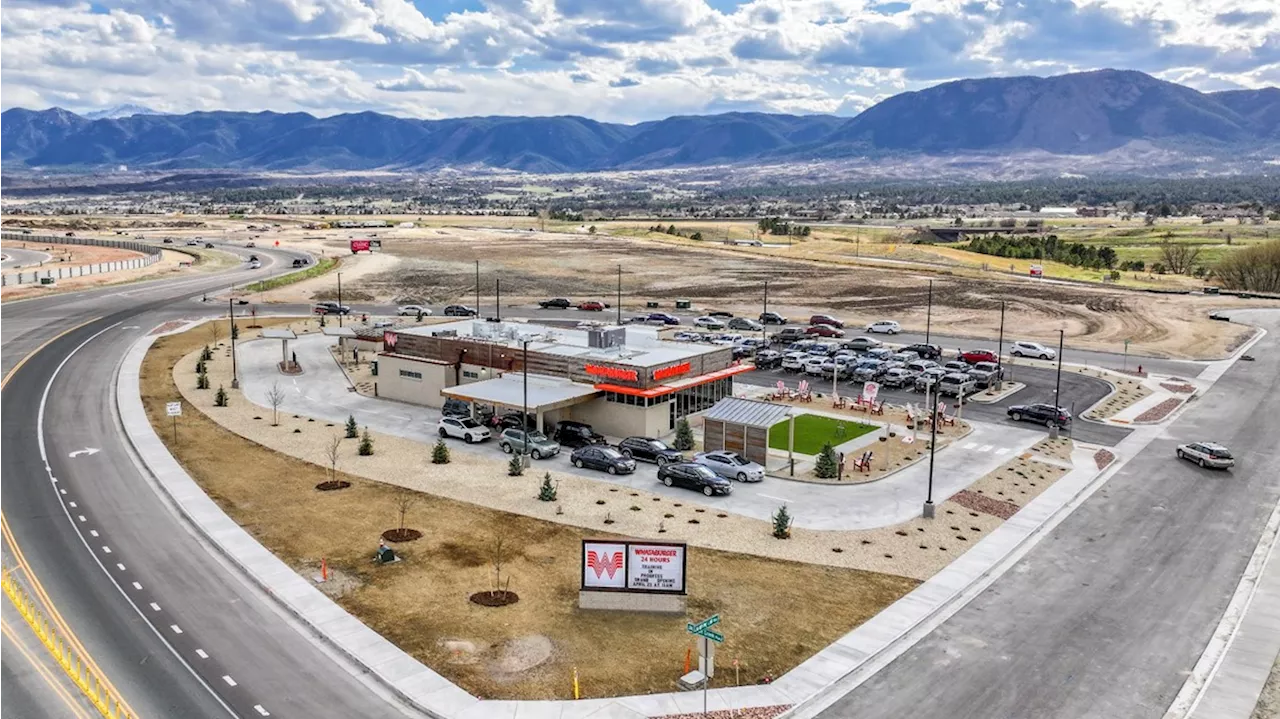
614	60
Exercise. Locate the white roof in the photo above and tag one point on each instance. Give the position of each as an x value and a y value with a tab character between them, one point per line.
643	348
276	333
508	390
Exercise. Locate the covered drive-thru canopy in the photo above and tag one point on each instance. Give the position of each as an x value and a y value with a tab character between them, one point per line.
544	393
742	425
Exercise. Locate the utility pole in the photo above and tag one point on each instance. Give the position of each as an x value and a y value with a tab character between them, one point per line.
235	378
928	318
1000	352
339	299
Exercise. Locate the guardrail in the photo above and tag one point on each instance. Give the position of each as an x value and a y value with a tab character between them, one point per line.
78	670
151	255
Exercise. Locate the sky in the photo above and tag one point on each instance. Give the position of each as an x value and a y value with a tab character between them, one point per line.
612	60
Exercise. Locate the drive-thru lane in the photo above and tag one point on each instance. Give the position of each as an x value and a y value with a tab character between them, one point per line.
1110	612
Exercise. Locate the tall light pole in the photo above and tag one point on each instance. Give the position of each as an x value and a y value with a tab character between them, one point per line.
524	408
339	299
619	294
933	446
763	330
477	289
1000	352
497	289
231	314
928	318
1057	383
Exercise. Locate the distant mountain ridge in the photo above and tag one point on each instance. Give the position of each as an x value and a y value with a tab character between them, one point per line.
1077	114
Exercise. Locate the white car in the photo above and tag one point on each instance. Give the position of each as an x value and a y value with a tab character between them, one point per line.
813	366
1032	349
888	327
254	264
413	310
686	336
708	323
794	361
1207	454
463	428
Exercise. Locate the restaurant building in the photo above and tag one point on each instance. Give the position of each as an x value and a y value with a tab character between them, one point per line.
623	381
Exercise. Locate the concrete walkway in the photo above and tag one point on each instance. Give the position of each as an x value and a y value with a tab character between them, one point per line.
862	650
322	392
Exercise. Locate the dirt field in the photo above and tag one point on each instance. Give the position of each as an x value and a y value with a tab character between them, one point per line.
168	265
526	650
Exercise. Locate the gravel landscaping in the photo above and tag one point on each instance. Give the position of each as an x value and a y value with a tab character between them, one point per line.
1160	411
1127	392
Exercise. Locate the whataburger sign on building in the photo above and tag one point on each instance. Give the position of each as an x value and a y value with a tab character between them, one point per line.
633	566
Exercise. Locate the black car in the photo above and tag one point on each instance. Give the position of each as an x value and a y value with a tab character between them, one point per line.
208	245
511	420
926	351
331	308
299	262
603	458
1045	414
768	359
772	318
459	311
650	450
694	476
662	318
454	407
167	241
558	303
720	313
576	434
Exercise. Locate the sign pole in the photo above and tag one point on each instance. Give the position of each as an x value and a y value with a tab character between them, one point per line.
175	429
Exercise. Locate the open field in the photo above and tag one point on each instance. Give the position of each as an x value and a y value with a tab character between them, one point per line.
814	431
526	650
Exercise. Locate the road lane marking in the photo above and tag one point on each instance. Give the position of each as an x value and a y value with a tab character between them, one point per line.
80	517
971	445
155	607
93	532
48	677
258	708
106	549
63	491
200	653
69	504
176	629
985	448
1002	450
770	496
9	375
137	586
120	566
227	678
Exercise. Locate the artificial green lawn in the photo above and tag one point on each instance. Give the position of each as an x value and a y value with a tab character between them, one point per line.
815	430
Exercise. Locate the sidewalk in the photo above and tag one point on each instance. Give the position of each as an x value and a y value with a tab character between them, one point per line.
825	675
322	392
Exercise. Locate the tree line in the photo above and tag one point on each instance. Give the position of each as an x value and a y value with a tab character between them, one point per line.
779	226
1098	257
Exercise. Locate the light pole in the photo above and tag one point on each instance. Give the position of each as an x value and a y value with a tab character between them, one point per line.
524	408
1000	352
619	294
933	447
497	289
763	331
477	289
928	318
339	299
231	313
1057	383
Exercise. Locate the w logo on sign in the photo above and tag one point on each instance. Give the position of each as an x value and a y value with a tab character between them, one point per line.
603	563
389	340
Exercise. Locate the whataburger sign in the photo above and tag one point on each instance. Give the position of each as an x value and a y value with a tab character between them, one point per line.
633	566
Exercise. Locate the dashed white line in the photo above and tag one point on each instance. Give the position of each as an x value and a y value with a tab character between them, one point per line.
106	549
258	708
176	629
1002	450
970	445
770	496
62	490
71	504
80	517
201	653
985	448
155	607
137	586
227	678
93	532
120	566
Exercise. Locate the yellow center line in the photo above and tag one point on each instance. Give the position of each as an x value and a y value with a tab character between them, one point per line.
76	710
57	619
9	375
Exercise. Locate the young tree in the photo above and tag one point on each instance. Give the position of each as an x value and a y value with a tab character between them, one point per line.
440	453
782	523
202	380
405	501
591	230
366	444
275	397
684	435
515	467
353	430
498	559
827	467
332	453
548	491
220	399
215	332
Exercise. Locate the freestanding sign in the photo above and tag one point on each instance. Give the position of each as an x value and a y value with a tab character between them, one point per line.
634	574
869	392
173	409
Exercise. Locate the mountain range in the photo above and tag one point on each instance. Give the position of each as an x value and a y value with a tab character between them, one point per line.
1089	113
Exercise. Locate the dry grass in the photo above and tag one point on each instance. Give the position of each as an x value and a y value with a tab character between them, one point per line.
421	604
1127	393
1269	702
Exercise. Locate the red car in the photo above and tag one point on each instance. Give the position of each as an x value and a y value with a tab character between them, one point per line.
826	320
976	356
824	331
591	306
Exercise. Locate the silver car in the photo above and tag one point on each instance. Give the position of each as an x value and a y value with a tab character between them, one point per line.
1207	454
730	465
539	445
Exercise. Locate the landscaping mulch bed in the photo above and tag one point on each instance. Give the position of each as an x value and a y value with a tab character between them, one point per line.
1160	411
499	598
987	505
167	326
1103	458
752	713
1178	388
333	484
401	535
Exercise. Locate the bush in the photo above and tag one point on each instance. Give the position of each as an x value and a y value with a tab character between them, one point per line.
200	367
515	467
366	443
202	381
206	354
220	399
547	493
828	467
440	453
1158	268
1256	268
782	523
353	431
684	435
235	331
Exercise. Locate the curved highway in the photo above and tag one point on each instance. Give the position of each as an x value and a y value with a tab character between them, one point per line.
175	630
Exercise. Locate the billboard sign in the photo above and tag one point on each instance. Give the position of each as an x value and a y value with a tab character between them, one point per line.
869	392
634	566
360	246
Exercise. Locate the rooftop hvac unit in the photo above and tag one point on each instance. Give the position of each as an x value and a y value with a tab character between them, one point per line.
445	333
606	338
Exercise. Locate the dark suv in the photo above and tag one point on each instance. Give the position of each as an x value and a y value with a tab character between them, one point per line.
559	303
576	434
649	450
926	351
789	334
1045	414
459	311
662	318
772	318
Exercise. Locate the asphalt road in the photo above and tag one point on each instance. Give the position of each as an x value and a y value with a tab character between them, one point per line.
1110	612
1078	391
230	652
15	258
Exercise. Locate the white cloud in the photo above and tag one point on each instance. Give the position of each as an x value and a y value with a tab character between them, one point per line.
609	60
